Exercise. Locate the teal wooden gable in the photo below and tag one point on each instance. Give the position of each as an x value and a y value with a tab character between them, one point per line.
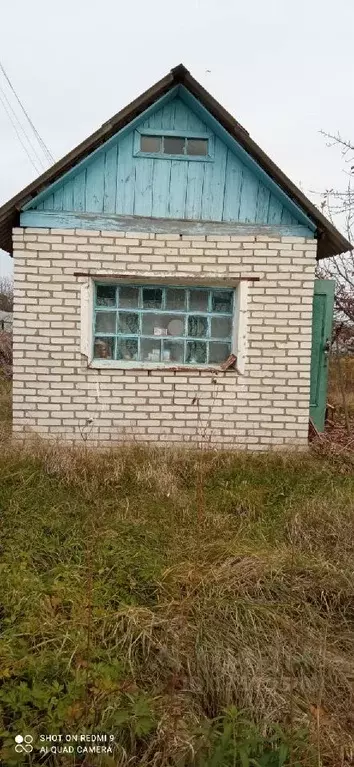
226	186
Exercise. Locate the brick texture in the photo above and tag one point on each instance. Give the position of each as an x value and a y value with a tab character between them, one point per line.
57	395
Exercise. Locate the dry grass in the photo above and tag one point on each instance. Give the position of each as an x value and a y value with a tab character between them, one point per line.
339	433
5	354
249	608
334	390
5	407
246	604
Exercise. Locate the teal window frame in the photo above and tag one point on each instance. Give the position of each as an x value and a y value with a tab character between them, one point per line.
206	318
209	137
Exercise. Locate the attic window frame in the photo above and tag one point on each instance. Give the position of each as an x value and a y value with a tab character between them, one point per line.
186	134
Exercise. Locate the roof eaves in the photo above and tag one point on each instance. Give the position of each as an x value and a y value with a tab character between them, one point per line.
331	242
9	212
338	243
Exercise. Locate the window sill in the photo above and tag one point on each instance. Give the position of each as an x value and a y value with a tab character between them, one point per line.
119	365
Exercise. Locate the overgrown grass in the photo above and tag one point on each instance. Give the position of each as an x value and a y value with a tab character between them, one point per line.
198	606
189	632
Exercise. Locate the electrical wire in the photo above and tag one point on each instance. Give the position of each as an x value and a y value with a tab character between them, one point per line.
13	123
21	128
48	155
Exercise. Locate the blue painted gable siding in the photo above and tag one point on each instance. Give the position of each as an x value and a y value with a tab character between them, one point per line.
114	181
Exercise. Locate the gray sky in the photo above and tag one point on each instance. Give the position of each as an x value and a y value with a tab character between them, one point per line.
283	69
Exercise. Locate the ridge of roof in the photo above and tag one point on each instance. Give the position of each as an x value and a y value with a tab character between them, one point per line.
330	241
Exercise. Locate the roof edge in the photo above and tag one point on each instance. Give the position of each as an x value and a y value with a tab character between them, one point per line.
330	241
324	226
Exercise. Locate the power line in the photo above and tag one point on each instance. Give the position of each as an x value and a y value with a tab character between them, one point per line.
15	120
19	128
45	149
8	110
36	150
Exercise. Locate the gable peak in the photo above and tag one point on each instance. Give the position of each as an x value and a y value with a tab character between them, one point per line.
179	73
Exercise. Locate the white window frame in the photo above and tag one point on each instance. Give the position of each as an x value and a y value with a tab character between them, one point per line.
239	332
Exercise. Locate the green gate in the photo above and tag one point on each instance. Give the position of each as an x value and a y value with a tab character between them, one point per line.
322	317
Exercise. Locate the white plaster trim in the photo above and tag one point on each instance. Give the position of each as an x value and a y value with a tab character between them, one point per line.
87	298
137	365
84	319
242	326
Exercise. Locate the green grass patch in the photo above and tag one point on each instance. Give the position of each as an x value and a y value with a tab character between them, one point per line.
198	606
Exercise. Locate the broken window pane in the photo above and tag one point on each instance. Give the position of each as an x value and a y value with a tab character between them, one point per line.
128	323
150	350
222	301
197	146
127	349
104	348
174	145
219	352
105	322
173	351
197	327
198	300
175	298
152	298
150	143
106	295
196	352
128	297
221	327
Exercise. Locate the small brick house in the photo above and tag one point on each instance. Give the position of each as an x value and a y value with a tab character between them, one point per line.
164	284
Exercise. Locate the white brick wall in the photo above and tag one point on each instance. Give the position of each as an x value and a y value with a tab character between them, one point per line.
56	394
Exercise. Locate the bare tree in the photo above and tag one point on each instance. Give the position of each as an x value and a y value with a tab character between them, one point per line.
6	294
338	206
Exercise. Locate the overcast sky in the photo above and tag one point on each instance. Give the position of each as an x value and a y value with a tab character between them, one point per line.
283	69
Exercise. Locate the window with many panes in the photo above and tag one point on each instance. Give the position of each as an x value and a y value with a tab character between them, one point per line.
166	325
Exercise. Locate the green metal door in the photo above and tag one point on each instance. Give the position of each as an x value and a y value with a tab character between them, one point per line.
322	316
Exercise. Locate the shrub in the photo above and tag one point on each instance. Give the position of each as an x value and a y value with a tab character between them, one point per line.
5	354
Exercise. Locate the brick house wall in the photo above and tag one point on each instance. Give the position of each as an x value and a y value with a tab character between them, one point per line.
57	395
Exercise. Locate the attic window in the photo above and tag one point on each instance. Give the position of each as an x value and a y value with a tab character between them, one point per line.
174	145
